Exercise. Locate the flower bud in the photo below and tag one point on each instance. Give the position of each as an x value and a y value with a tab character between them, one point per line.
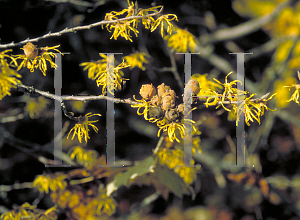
147	91
31	51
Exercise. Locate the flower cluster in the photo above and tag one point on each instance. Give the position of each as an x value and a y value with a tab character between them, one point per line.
81	204
83	157
229	93
295	95
252	108
81	128
35	58
159	106
284	27
97	70
53	182
182	41
123	28
137	59
27	211
8	76
37	107
173	159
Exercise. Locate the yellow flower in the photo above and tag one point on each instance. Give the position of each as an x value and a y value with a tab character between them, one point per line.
137	59
283	50
78	106
8	80
83	157
105	205
160	21
206	86
81	128
287	23
170	157
36	107
254	8
8	76
123	28
294	62
116	81
34	58
174	159
95	67
171	128
27	211
214	96
283	94
295	95
188	174
182	41
252	108
143	104
229	92
45	182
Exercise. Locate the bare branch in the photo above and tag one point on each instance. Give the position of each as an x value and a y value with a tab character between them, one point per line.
79	28
30	89
7	188
243	29
75	2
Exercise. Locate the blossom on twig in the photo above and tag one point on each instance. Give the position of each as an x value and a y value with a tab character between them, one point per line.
81	128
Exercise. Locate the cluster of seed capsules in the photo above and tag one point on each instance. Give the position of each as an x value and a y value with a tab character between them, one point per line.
162	101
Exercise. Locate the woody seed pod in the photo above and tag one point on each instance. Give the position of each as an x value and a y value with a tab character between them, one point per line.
156	100
172	115
192	88
147	91
155	112
168	102
31	51
162	88
169	93
180	108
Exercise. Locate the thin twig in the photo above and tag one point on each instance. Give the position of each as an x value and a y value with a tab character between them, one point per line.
158	144
75	2
7	188
79	28
173	67
30	89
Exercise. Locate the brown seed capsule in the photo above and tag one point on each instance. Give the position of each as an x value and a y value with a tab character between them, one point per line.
195	87
168	102
31	51
180	108
169	93
172	115
156	100
192	88
147	91
155	112
162	88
